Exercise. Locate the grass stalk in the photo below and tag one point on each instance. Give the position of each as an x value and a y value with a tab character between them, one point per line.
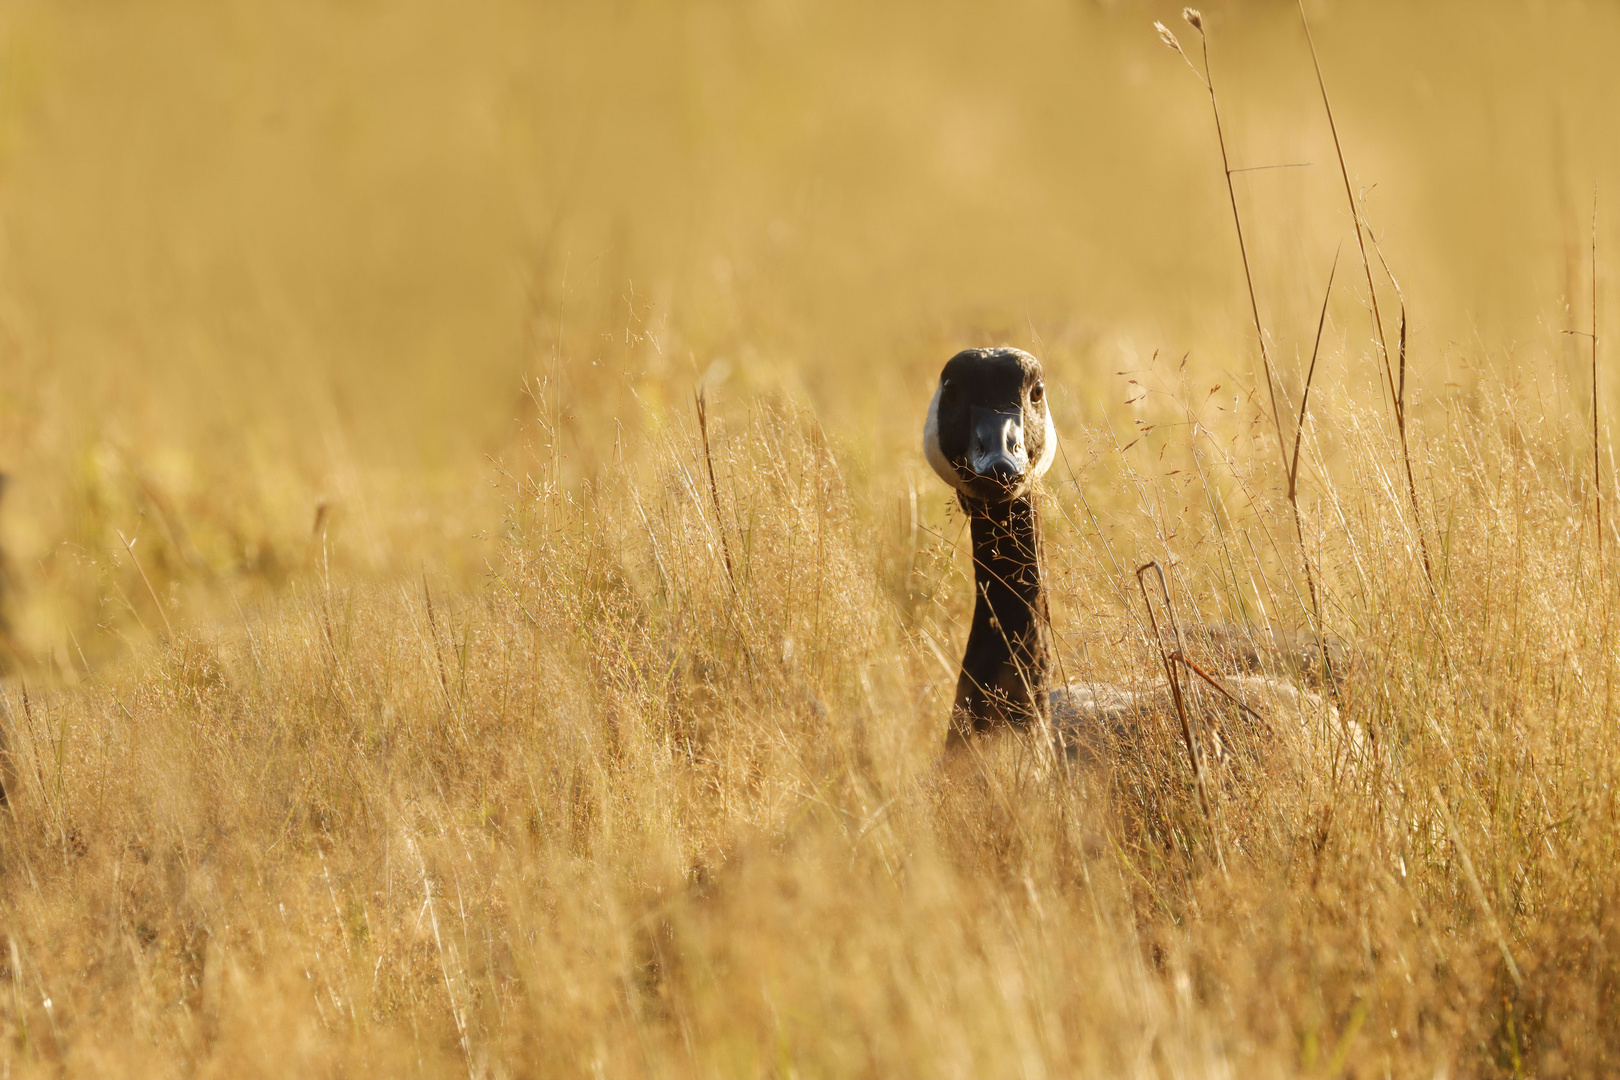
1290	463
1597	464
714	488
1293	482
129	547
1196	20
1397	391
1310	376
1195	754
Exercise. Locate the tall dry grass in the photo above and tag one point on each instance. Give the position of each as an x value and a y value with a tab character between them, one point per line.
620	811
404	683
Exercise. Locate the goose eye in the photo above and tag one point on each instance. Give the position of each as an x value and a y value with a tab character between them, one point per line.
1037	393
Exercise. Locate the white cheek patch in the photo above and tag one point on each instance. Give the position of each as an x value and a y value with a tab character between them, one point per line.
1048	450
936	457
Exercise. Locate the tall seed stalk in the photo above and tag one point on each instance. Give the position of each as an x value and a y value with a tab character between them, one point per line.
1290	462
1597	467
1397	391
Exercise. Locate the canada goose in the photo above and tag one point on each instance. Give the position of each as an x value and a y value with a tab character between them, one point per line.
989	435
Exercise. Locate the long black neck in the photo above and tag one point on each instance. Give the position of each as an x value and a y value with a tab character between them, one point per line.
1004	671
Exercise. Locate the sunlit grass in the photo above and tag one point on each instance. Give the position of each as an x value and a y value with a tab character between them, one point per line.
401	682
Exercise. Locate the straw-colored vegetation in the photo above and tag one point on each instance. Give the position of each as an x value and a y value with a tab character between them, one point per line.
400	683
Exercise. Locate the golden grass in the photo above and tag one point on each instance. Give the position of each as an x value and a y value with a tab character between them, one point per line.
404	685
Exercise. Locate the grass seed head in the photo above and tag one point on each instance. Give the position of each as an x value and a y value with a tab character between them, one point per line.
1194	19
1166	36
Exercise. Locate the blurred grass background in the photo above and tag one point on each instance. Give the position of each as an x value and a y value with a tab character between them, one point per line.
260	259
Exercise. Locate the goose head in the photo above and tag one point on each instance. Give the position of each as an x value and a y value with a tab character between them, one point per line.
989	432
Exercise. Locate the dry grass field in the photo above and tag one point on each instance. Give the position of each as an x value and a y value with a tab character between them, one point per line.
399	684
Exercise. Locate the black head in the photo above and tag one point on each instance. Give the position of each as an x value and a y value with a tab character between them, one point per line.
989	433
